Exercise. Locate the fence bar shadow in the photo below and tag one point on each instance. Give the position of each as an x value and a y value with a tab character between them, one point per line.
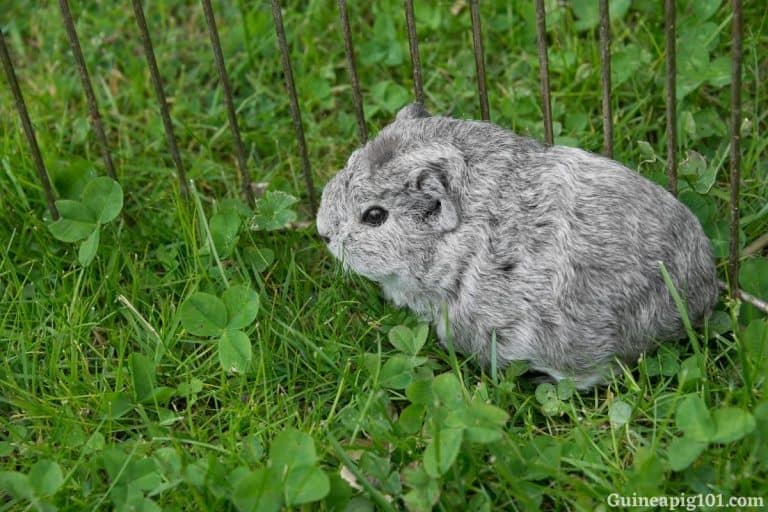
277	15
29	131
541	44
218	56
413	44
90	96
349	50
737	27
671	86
605	77
477	40
157	83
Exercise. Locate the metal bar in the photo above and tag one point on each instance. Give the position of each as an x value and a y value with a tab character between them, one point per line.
218	56
605	77
277	15
349	49
413	43
477	40
154	74
733	256
541	43
90	96
29	131
671	80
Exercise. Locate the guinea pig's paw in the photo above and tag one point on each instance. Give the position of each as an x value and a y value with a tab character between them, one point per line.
583	380
541	378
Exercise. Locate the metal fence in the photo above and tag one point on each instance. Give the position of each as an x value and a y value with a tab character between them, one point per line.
243	172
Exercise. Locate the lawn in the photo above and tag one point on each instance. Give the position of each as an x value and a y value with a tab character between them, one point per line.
196	354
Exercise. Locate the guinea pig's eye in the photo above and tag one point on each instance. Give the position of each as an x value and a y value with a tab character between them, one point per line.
375	216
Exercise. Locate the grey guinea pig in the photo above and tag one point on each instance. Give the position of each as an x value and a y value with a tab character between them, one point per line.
552	249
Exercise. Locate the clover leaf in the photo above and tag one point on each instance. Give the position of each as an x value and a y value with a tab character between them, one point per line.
206	315
104	198
701	427
100	203
273	211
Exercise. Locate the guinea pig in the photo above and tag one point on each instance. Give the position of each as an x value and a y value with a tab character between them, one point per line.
551	253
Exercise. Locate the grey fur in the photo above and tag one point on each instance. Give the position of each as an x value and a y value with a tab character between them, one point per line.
554	249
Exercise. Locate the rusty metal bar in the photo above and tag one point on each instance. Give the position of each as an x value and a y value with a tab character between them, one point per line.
29	131
541	43
477	40
671	80
90	96
277	15
349	49
737	26
605	77
413	43
218	56
154	74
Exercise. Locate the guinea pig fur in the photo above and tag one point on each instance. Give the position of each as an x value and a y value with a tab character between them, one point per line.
554	250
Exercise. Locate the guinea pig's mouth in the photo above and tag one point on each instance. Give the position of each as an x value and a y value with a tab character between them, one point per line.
336	250
349	268
348	265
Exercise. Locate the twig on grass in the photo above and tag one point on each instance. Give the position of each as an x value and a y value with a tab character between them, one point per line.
755	247
207	231
379	498
143	321
299	225
748	298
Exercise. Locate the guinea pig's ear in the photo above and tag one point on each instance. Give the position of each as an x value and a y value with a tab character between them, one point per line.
433	199
412	111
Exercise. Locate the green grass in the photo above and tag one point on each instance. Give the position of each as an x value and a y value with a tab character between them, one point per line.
681	421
